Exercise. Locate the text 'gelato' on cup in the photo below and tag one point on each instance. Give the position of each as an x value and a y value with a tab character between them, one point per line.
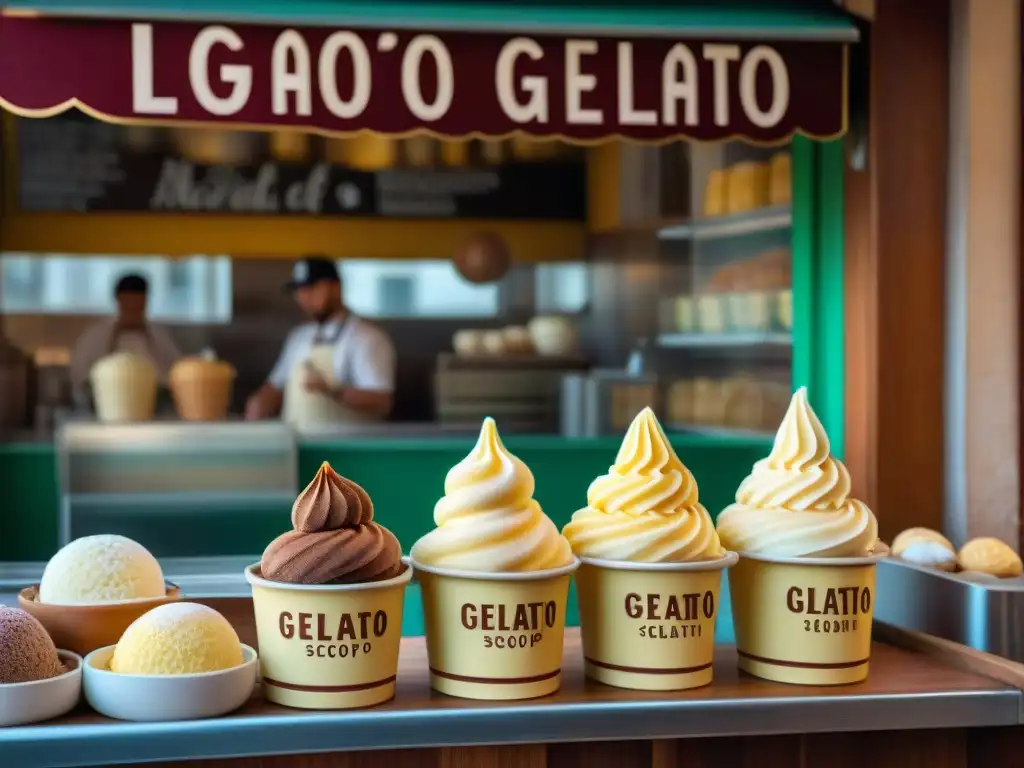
803	590
494	576
328	597
651	569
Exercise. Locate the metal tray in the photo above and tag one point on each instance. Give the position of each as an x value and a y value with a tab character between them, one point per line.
988	616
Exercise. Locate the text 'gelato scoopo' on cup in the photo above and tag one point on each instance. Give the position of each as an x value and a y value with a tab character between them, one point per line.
651	569
328	597
803	590
495	577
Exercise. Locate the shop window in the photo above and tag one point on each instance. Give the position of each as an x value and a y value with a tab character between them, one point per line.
195	289
422	288
396	293
561	287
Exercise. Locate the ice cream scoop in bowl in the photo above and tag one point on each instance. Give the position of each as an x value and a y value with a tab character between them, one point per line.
328	597
93	589
494	576
180	661
651	571
37	681
803	590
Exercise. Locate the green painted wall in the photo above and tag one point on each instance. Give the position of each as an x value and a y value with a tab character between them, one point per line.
28	501
404	477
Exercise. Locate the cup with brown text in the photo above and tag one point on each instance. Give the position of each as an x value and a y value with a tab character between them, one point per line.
805	621
328	646
495	636
650	626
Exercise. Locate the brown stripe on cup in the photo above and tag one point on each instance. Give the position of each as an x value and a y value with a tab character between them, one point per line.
496	680
803	664
648	670
330	688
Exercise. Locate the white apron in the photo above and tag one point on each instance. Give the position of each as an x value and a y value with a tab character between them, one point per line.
305	410
137	341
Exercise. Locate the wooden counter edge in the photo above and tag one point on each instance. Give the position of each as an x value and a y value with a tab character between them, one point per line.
961	657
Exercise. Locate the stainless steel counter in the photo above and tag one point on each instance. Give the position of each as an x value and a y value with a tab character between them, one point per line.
906	691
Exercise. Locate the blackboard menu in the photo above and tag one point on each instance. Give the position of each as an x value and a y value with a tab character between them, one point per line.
71	163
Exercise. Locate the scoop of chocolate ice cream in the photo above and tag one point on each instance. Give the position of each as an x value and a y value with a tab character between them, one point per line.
27	653
330	502
334	540
345	556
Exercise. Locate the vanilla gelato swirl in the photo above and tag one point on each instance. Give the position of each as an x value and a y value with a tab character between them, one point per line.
645	509
488	520
795	502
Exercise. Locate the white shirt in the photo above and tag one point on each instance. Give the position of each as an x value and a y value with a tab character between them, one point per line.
364	357
94	344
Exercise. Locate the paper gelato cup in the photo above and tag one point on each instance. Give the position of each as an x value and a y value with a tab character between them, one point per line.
204	399
495	635
650	626
805	621
125	393
329	646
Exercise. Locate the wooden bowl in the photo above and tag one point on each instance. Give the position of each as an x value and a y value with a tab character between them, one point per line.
84	628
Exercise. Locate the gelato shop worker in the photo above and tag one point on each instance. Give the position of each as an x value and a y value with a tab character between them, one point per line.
336	369
128	331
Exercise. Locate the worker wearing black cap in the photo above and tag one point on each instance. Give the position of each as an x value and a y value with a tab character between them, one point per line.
336	369
128	331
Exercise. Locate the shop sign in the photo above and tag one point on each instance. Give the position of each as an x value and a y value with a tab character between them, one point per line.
337	81
71	164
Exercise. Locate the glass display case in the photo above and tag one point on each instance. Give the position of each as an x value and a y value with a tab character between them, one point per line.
724	347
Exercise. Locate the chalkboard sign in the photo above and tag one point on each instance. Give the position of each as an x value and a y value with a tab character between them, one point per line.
74	164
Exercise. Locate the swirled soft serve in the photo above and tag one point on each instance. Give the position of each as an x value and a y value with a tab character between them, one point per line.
488	520
645	509
796	502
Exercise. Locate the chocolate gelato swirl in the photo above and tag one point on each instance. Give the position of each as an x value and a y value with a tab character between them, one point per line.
334	540
345	556
331	502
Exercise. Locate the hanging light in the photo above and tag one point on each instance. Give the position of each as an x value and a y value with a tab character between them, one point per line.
483	258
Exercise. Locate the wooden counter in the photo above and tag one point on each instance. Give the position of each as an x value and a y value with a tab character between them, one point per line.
909	694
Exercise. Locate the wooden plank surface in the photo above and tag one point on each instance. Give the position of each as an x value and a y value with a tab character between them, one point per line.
951	748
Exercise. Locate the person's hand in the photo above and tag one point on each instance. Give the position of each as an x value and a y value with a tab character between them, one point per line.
317	382
255	408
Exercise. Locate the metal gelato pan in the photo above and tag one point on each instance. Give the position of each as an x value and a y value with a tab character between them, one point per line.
988	616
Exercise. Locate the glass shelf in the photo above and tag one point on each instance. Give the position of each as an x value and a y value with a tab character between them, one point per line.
768	219
723	340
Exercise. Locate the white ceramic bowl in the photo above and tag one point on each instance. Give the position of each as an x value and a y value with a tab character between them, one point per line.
166	697
23	703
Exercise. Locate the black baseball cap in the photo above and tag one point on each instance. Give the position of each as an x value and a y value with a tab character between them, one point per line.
312	270
131	284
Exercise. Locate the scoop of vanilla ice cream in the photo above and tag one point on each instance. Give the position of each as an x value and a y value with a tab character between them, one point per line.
27	653
646	508
177	639
796	502
929	553
101	569
487	520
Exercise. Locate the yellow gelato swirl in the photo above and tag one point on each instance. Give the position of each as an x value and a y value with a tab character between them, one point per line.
795	502
488	520
645	510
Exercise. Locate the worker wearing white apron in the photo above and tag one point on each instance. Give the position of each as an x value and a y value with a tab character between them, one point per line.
129	331
337	369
